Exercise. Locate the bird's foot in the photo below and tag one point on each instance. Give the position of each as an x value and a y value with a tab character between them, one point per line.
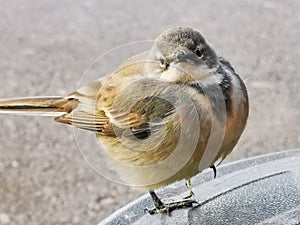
168	207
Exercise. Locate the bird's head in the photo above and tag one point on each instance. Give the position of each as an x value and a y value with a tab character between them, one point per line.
182	54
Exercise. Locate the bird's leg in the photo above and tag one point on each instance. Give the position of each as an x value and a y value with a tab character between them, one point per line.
156	200
159	205
167	207
189	186
215	170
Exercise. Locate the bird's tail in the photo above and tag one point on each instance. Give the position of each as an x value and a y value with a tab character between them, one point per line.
44	106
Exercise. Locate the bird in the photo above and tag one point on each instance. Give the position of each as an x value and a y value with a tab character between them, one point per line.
163	115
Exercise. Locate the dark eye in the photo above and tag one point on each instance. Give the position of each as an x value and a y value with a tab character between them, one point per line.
162	62
199	52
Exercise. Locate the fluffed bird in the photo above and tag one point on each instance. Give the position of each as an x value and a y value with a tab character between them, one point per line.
164	115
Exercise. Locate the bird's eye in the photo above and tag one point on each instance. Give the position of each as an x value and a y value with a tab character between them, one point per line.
162	62
199	52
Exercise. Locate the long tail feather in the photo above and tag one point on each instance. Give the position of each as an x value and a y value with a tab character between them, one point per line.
44	106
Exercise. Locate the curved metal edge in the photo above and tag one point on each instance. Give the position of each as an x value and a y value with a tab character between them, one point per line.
201	178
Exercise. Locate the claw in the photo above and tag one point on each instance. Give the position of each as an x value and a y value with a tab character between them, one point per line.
215	170
168	207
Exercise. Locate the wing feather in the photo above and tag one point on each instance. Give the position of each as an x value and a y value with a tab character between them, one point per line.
126	99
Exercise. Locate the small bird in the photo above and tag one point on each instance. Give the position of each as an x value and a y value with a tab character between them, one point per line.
162	116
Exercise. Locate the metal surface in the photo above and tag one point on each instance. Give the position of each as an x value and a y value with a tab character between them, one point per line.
261	190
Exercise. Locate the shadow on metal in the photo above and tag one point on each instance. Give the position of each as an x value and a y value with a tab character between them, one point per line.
260	190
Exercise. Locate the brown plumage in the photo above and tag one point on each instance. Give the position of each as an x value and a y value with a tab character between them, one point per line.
163	115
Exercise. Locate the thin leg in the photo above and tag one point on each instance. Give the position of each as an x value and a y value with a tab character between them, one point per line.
215	170
157	202
189	186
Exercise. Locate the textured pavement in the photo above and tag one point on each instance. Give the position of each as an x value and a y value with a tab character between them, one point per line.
45	47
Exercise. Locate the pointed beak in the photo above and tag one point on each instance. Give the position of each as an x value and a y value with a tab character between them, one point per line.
180	55
184	55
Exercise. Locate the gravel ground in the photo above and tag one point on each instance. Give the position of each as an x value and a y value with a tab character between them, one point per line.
47	45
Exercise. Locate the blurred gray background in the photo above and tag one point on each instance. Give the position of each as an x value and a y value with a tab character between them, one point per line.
45	46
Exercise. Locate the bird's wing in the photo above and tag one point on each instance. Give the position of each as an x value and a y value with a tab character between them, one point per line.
130	104
96	100
144	114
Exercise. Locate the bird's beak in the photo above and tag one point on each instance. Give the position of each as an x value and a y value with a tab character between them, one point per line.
176	57
184	55
180	55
